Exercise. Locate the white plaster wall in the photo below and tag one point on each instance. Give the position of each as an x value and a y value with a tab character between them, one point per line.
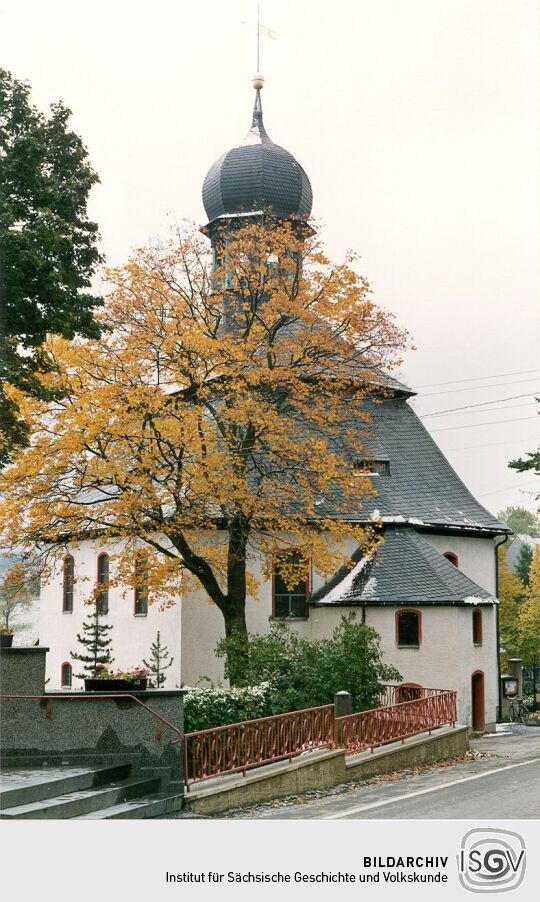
132	635
476	556
202	623
447	657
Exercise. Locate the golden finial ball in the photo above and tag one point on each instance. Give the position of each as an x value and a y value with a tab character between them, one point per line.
258	81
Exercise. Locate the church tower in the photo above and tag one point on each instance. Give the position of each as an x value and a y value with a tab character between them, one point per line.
256	179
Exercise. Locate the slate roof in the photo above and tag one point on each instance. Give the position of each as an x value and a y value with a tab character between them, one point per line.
406	570
257	176
422	488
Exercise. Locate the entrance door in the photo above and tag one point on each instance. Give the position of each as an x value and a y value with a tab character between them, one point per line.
477	695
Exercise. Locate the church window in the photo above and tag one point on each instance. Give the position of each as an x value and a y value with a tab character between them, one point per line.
68	582
289	600
102	599
477	627
408	629
66	675
141	586
450	556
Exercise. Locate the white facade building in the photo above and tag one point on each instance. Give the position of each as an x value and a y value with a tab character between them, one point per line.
430	592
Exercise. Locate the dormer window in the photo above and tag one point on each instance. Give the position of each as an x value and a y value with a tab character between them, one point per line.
365	467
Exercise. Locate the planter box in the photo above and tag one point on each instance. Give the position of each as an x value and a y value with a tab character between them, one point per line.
115	685
6	640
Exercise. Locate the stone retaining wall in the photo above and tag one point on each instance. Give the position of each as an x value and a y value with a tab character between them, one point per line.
321	770
74	727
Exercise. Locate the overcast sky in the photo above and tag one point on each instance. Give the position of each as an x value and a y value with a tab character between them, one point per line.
417	123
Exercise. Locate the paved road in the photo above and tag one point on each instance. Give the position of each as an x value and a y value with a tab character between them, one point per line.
506	785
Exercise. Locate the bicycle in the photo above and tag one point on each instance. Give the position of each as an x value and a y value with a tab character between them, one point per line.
518	711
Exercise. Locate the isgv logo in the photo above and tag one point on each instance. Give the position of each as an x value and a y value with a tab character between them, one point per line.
491	861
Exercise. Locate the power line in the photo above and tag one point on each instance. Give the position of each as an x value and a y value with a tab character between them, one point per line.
464	412
490	423
476	378
507	489
513	441
454	391
438	413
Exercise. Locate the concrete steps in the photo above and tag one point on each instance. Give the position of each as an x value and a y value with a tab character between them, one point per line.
86	793
157	805
37	786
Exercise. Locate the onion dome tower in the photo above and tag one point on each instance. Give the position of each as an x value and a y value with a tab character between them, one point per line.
256	178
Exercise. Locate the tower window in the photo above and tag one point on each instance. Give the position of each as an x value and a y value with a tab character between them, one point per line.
68	582
66	675
477	627
289	600
102	598
408	629
450	556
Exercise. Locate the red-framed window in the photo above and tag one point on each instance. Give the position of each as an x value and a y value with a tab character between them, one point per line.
102	597
68	584
289	600
453	558
477	627
66	675
408	629
141	586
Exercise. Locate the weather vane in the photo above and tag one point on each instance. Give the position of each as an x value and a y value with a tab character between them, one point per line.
265	32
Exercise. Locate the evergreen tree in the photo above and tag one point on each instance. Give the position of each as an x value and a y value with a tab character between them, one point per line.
523	563
158	662
96	646
47	245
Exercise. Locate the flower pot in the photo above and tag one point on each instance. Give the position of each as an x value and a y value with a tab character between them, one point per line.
6	640
92	685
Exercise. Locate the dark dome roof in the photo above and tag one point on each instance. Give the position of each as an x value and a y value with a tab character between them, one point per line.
257	176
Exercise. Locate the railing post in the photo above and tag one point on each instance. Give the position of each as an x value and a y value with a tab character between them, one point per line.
342	704
342	708
186	775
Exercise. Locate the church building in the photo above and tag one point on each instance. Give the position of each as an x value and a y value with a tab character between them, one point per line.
430	591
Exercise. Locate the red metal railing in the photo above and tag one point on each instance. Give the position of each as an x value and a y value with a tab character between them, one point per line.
240	746
378	726
392	694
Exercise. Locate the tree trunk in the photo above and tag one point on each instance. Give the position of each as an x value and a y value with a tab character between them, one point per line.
237	647
234	611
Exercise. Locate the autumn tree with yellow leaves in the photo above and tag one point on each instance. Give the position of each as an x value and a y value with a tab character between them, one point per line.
214	421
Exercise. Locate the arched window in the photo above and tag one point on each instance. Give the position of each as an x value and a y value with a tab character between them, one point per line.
102	599
141	586
409	692
66	675
68	584
408	629
477	627
450	556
